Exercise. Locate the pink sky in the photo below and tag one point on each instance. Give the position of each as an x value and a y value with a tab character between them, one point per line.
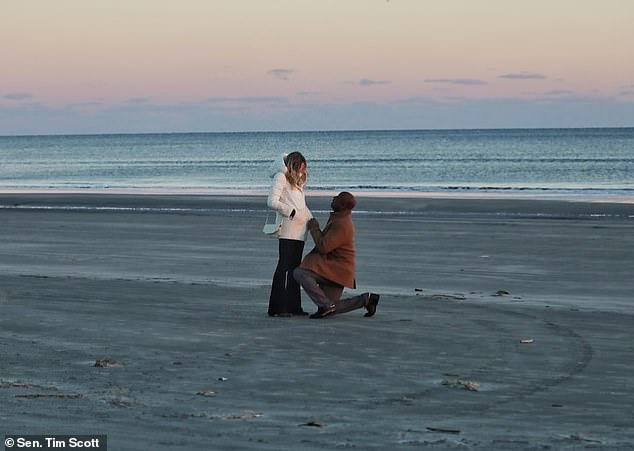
74	66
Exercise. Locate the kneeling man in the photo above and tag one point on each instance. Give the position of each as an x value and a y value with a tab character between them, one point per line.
330	266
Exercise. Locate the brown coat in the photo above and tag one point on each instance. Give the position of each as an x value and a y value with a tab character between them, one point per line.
333	256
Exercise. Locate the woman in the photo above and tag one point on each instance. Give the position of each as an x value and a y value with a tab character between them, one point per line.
287	199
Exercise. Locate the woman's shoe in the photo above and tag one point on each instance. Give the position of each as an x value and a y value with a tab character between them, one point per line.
281	315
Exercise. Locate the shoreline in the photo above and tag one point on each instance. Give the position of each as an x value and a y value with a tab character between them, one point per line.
510	194
382	206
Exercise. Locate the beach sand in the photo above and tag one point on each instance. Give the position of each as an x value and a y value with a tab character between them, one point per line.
503	325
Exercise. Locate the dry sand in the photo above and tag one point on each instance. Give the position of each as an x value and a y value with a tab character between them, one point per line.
176	299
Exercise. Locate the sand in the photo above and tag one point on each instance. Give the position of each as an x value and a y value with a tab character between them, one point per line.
503	324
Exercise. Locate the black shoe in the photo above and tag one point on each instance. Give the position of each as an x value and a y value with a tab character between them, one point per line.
373	301
322	313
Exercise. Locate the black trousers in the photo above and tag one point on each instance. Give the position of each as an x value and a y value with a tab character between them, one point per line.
285	295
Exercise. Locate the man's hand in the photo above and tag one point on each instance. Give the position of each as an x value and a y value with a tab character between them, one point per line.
312	224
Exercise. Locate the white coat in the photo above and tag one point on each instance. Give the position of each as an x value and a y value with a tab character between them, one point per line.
284	198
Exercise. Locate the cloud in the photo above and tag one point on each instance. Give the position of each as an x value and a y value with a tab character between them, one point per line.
309	93
626	91
18	96
523	76
228	114
417	100
559	92
84	107
281	74
249	99
458	81
138	100
368	82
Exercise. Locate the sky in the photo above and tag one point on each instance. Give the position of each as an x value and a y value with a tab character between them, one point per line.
136	66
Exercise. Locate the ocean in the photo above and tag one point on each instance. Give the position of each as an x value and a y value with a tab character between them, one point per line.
566	162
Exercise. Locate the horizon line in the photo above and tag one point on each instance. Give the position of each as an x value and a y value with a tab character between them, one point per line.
236	132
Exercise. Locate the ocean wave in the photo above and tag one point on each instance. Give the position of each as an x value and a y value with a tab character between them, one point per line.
240	188
124	209
475	189
409	160
427	211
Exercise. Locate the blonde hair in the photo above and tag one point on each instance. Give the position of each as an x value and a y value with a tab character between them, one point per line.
294	175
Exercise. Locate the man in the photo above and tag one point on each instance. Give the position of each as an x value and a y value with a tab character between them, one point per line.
330	266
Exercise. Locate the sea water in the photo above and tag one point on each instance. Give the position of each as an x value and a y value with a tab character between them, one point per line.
565	161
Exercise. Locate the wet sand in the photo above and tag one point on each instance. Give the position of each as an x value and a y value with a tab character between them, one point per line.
173	290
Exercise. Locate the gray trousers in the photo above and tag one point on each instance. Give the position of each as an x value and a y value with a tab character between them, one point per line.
325	293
